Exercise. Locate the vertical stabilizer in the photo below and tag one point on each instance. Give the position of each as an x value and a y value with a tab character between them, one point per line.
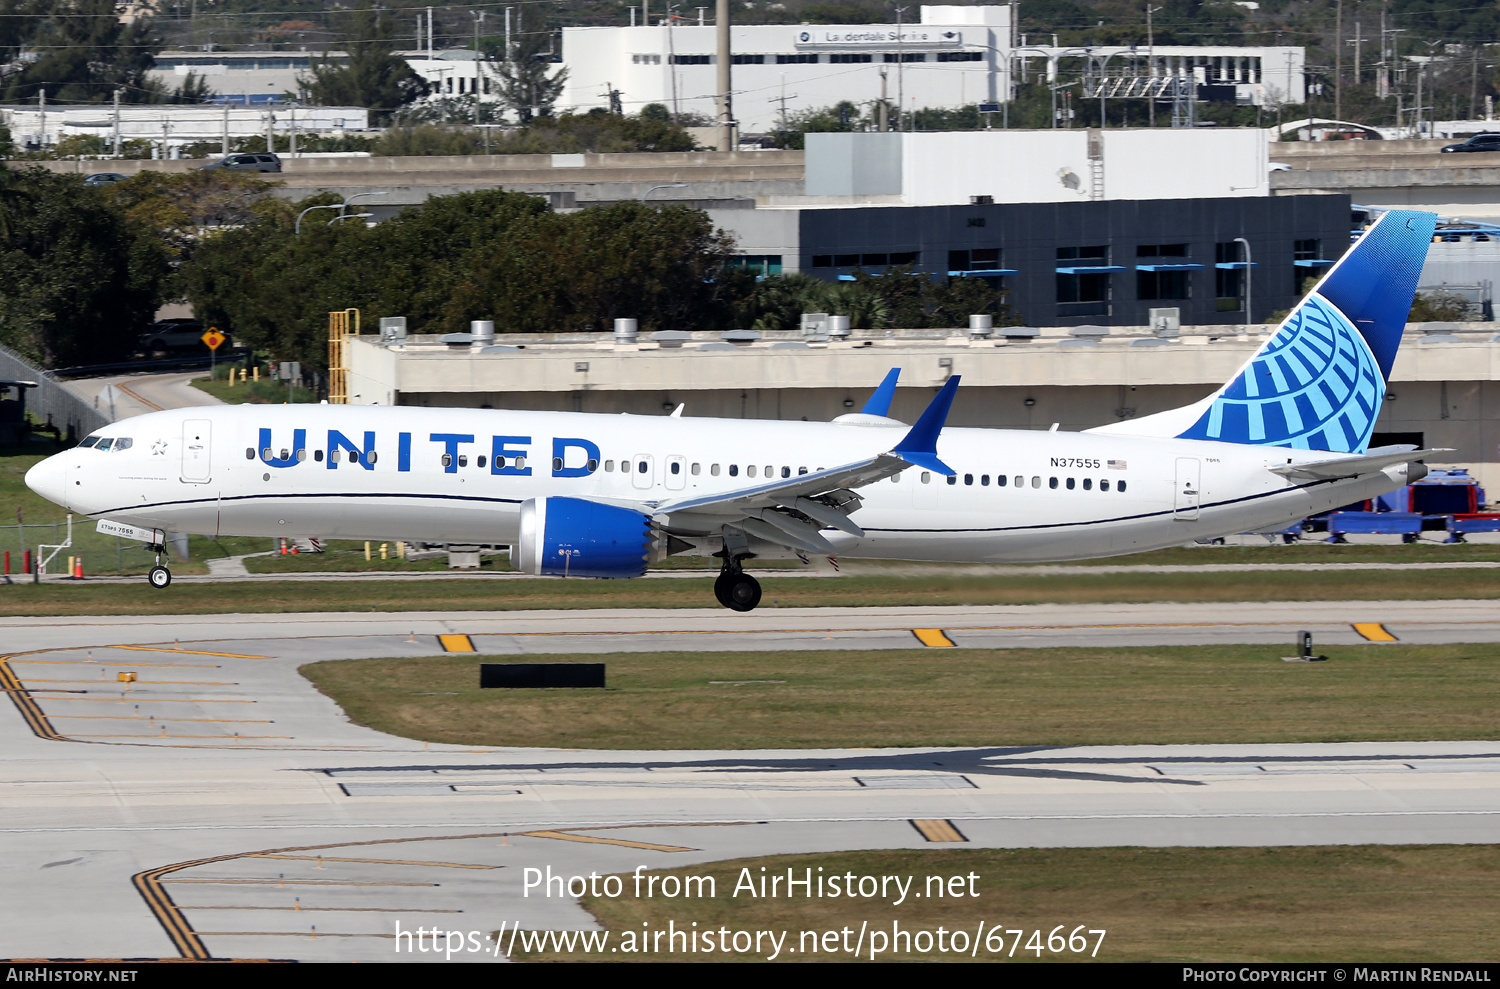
1318	382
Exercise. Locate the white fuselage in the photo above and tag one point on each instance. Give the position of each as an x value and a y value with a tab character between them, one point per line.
267	471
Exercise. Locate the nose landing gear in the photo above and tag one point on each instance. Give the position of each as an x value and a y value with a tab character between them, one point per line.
159	575
735	589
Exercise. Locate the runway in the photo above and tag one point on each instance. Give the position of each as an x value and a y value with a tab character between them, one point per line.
218	806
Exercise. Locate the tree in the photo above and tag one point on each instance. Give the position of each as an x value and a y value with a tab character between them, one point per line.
79	280
525	86
84	53
373	75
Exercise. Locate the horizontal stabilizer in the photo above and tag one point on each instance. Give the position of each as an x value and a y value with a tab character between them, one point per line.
1333	470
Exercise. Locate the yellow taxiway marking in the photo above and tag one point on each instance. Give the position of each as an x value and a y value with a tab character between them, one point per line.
1374	632
332	858
154	700
180	683
306	909
934	637
104	664
142	717
217	738
456	643
194	652
286	882
941	830
589	839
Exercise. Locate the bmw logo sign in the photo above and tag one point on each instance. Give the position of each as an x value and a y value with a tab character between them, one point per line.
804	36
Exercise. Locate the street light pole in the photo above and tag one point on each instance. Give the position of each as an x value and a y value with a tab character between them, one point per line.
338	206
1248	269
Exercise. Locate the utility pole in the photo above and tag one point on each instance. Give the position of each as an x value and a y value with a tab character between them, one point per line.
727	140
41	105
429	33
1150	67
900	71
117	125
885	120
1357	41
1338	63
224	145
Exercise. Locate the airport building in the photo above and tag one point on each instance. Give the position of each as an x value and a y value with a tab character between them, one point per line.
953	56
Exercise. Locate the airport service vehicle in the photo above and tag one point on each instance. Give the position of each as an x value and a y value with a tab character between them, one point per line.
587	495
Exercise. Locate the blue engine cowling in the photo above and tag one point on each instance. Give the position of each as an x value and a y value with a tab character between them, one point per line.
572	537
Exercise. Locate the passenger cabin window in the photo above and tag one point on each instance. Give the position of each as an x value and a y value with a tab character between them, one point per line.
479	461
591	466
317	456
697	469
1103	485
734	470
642	467
969	479
1120	486
952	478
1070	484
1088	483
676	467
1036	481
926	477
1000	480
447	460
1052	483
609	466
749	470
714	470
249	452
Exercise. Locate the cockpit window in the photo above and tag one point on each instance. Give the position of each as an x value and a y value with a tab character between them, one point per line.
104	444
90	441
123	443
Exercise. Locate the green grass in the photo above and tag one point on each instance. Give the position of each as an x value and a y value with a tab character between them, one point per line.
922	697
1309	904
262	392
780	592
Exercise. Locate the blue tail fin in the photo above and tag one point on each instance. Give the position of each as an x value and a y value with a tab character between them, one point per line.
1317	384
880	402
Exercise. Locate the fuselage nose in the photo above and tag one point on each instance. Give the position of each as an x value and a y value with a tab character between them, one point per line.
50	479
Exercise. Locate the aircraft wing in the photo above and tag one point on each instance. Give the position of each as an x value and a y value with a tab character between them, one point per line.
1342	467
791	511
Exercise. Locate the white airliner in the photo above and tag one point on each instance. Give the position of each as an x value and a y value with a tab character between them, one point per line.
605	495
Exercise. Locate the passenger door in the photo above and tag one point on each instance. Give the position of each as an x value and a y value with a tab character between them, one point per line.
676	476
197	442
642	472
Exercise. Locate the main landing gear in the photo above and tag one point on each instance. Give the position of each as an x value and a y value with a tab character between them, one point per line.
735	589
159	576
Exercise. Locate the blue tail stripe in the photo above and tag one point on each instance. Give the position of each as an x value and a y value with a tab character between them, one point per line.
1318	382
880	402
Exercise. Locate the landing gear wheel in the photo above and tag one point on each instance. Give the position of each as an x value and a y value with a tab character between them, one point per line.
159	576
741	592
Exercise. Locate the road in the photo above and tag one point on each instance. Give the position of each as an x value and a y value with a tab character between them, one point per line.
219	806
127	395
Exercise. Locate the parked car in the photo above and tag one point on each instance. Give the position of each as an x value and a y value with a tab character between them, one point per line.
104	178
1479	142
177	334
259	162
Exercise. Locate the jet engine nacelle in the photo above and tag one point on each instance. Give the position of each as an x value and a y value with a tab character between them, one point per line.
573	537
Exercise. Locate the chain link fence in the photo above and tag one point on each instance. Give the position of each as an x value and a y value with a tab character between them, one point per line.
50	400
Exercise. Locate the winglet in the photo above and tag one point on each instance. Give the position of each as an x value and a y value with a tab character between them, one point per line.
880	402
919	447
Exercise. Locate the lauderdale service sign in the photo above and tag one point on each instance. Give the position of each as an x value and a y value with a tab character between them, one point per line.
878	38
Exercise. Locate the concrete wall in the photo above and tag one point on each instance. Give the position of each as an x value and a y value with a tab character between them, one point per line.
1185	164
854	164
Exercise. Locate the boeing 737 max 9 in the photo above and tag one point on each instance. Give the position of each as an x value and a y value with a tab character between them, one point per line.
604	495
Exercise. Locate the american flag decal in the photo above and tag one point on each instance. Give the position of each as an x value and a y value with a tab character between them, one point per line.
1115	464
